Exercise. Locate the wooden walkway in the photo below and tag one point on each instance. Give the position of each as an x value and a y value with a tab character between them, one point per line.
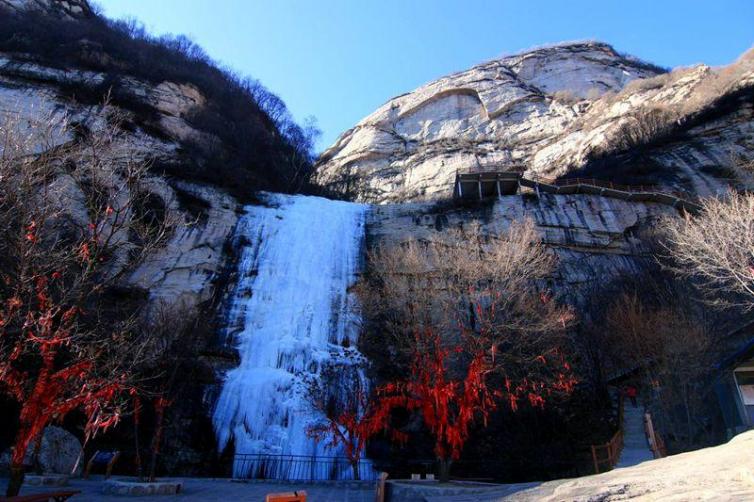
608	189
478	186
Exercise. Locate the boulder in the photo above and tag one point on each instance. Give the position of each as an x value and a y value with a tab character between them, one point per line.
57	455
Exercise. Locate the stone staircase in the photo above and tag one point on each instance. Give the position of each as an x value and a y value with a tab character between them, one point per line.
635	446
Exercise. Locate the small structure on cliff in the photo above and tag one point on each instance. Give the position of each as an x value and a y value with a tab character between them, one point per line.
482	185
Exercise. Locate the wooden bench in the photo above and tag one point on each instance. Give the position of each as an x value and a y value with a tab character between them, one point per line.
42	497
297	496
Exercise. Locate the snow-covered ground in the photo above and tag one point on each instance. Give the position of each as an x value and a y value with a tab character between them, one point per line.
291	314
722	473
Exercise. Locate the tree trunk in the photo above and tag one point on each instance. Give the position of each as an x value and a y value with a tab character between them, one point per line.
17	469
16	480
355	469
689	427
37	449
444	464
137	449
155	453
156	444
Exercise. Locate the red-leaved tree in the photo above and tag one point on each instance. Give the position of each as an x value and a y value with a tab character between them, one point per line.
73	224
467	314
348	425
449	406
52	389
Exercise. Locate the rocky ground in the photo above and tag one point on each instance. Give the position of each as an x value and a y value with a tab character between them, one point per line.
211	490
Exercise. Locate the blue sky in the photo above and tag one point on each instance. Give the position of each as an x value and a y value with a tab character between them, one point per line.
338	60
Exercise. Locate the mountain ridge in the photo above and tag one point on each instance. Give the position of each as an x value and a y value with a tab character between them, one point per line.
550	111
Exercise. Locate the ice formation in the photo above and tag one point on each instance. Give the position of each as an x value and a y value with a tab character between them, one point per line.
290	315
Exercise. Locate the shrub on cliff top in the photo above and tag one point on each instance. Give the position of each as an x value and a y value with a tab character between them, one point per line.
257	134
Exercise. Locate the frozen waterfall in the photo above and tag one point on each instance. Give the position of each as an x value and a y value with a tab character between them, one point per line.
290	314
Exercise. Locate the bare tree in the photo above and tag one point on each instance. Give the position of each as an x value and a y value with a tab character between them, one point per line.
344	424
644	126
472	281
166	372
675	352
716	247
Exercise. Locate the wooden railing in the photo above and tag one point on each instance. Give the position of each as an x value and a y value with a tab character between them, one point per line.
656	444
679	199
685	199
606	455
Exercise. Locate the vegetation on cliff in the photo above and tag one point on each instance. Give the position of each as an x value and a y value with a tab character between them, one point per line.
250	139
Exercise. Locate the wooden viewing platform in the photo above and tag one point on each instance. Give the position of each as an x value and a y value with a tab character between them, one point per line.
483	185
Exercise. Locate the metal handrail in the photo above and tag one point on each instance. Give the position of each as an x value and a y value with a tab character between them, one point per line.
594	182
299	467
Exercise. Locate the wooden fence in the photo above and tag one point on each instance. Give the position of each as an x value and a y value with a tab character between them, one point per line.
606	455
656	444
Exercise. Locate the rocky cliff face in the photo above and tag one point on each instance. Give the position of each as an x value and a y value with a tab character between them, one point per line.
553	111
64	9
182	271
569	110
595	238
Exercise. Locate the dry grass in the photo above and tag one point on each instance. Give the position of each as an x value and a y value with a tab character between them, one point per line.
651	119
566	97
646	84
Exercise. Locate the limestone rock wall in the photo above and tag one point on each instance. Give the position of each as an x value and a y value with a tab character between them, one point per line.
596	239
66	9
184	269
548	111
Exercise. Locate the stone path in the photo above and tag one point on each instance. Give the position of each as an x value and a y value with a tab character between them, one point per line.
210	490
635	446
493	493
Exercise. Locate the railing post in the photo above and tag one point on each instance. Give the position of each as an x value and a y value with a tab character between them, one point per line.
594	458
